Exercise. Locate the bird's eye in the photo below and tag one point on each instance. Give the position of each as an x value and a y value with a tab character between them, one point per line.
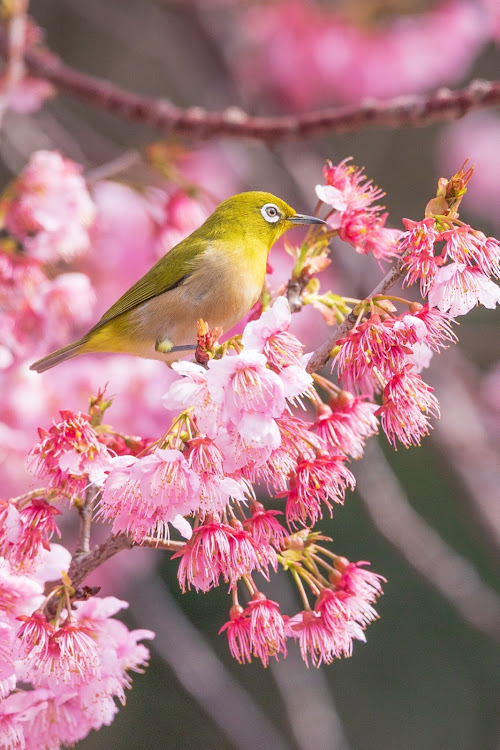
271	213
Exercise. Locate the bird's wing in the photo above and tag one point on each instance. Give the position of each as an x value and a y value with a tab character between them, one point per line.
169	272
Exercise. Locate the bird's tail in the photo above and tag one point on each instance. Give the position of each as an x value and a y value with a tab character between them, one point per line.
51	360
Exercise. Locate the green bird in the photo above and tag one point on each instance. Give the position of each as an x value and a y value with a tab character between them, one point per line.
217	273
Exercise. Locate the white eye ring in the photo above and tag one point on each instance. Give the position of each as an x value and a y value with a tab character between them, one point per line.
271	213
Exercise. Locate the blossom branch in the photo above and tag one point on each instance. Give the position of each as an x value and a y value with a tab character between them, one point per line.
85	510
452	575
195	122
321	355
82	566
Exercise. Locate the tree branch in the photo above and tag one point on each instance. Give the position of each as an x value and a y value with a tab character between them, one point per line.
195	122
82	566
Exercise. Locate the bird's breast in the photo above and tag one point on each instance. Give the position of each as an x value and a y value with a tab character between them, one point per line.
221	290
225	286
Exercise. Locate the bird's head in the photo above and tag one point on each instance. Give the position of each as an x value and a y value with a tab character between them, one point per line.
257	214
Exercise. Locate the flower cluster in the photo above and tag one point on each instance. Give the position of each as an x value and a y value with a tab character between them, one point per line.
238	429
70	455
453	264
384	355
351	196
48	209
48	213
60	672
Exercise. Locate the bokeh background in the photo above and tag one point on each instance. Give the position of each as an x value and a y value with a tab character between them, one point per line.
427	518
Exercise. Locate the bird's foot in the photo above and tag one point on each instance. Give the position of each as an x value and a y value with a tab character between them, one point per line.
166	346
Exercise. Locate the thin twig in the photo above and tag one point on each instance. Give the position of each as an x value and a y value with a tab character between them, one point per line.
82	565
15	36
321	355
85	510
196	122
451	574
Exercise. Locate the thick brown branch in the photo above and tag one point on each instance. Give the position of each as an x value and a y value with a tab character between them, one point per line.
195	122
321	355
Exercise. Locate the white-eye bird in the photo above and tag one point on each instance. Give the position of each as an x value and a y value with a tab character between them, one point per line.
217	273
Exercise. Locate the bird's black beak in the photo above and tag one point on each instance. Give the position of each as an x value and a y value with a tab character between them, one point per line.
303	219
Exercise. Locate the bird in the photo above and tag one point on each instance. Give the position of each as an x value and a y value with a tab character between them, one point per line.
217	274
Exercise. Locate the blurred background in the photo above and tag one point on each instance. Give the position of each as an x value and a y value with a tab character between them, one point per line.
426	518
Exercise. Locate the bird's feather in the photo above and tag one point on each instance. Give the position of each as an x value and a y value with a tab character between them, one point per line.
166	274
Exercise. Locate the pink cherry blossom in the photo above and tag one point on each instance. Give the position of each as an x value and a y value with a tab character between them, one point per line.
421	262
346	423
468	247
357	589
407	404
458	288
238	634
317	481
243	384
216	550
267	628
371	346
51	210
69	455
265	527
144	495
316	639
269	335
27	530
182	215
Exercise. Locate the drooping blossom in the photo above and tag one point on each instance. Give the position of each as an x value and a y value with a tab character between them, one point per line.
407	404
438	324
26	531
214	550
346	423
69	657
421	262
458	288
370	348
358	589
269	335
467	247
317	481
265	527
49	209
317	641
267	628
237	629
143	495
358	221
